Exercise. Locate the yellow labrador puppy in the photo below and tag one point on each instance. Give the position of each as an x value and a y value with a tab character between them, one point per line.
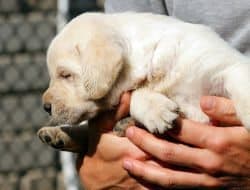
169	65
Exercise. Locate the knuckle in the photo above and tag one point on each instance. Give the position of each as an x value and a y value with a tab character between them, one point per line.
213	166
139	171
213	183
168	182
168	154
210	182
220	144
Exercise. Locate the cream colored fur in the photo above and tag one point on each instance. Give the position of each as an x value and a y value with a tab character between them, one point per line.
167	63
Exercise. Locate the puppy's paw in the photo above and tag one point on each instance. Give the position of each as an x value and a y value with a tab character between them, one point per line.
121	126
53	136
57	138
159	119
154	110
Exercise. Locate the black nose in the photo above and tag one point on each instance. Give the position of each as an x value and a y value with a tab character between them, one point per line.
47	107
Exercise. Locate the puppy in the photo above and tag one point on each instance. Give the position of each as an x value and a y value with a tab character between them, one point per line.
168	64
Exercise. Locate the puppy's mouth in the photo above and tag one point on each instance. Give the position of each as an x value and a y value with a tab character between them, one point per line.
75	121
54	122
86	117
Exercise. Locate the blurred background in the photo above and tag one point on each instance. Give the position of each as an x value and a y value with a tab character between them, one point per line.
26	29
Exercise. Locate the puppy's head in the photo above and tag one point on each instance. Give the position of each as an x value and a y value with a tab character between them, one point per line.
84	61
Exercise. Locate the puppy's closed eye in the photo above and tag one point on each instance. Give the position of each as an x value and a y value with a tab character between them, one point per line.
63	73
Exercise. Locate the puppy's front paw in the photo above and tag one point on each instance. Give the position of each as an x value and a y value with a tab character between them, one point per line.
66	137
155	111
160	118
54	137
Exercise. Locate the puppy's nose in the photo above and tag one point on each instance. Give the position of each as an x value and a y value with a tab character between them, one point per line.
47	107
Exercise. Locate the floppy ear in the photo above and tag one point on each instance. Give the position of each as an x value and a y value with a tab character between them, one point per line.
102	63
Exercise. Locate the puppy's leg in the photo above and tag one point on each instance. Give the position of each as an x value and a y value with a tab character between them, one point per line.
154	110
237	85
66	138
121	126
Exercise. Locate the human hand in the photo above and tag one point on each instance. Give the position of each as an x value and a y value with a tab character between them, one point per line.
214	156
101	167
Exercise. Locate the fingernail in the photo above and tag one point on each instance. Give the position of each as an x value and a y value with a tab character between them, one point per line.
130	132
127	164
207	103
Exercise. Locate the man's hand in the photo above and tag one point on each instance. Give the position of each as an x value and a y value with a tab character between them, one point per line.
101	167
211	156
214	156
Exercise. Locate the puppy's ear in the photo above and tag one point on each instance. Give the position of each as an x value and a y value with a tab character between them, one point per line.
102	63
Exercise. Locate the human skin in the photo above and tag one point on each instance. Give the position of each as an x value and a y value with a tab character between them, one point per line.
101	167
218	156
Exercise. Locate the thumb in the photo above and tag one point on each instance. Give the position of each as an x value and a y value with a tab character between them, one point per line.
220	109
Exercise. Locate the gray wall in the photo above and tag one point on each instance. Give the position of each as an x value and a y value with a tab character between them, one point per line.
26	28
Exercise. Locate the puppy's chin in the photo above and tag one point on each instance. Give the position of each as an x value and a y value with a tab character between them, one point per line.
71	118
55	121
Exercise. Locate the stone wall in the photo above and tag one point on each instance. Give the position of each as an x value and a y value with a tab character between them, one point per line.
26	28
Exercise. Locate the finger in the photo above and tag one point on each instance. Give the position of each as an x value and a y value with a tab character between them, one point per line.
172	153
123	108
194	133
220	109
168	178
213	138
